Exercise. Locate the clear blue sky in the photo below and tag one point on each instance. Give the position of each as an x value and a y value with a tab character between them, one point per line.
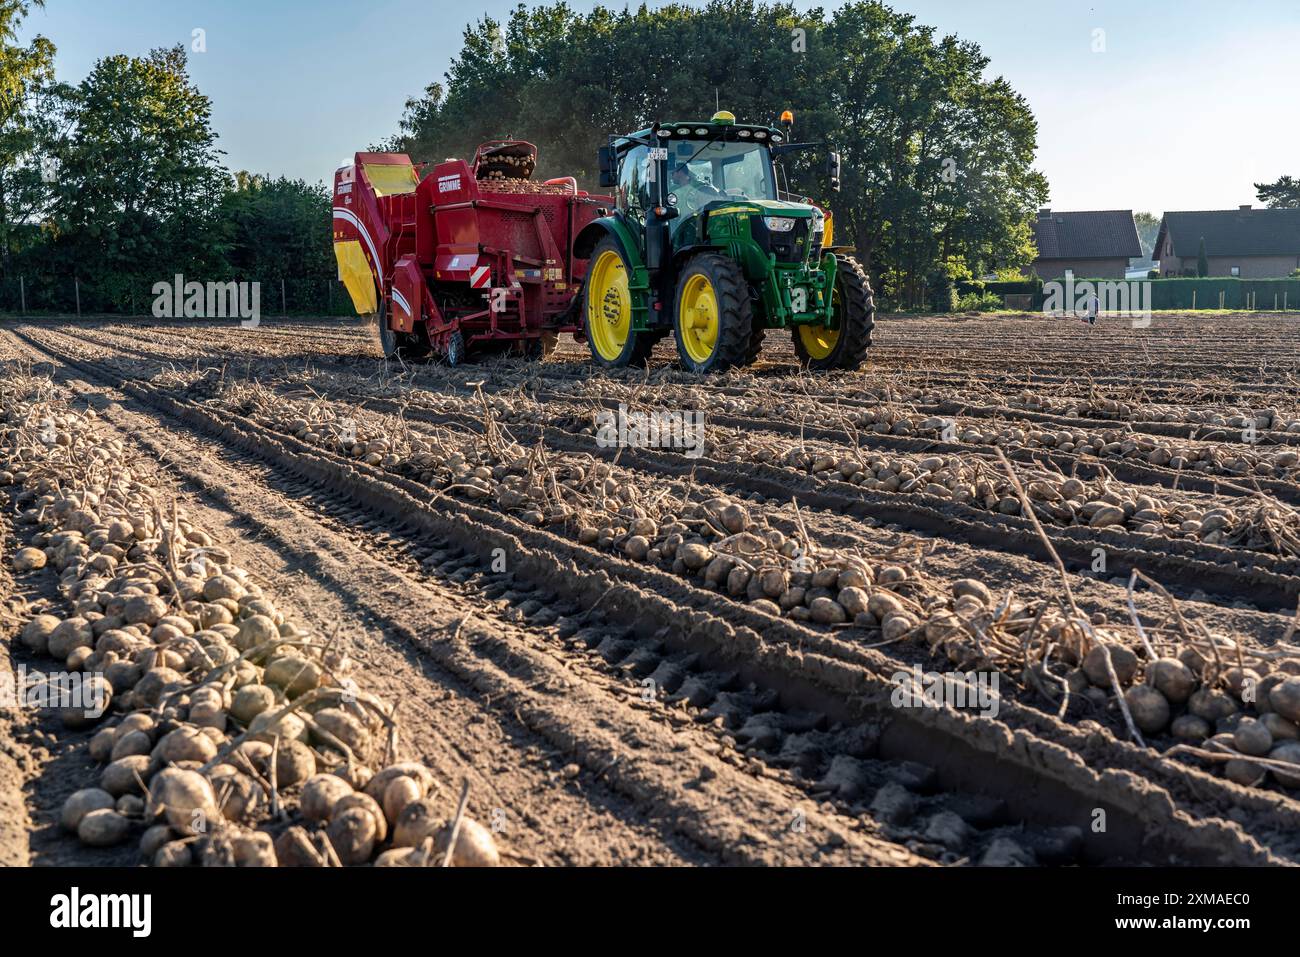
1189	103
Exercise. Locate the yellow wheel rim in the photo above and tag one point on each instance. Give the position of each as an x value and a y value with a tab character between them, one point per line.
609	306
818	341
697	318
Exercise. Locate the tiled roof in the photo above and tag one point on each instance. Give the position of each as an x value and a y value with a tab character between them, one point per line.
1091	234
1232	232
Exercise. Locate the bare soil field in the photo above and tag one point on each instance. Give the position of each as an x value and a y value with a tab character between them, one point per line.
621	653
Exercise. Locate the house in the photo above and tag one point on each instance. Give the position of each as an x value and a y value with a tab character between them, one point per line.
1093	244
1246	242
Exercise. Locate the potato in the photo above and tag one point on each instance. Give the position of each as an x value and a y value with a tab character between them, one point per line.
250	701
353	834
1189	727
474	845
1287	751
296	848
378	784
154	838
101	744
1150	708
68	634
344	726
1211	704
28	559
1122	659
418	820
286	727
238	847
123	775
255	630
133	742
36	633
293	674
320	794
156	682
174	854
400	857
80	803
1252	737
185	744
1244	772
185	798
103	828
294	763
1173	679
400	792
366	803
1285	699
239	798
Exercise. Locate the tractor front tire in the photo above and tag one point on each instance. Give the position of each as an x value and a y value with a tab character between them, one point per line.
844	347
712	314
607	309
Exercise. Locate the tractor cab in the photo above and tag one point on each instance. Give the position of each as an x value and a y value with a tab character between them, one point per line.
700	223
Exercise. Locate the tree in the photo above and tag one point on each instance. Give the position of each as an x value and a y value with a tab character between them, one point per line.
1148	228
23	71
1284	193
937	158
139	178
1202	261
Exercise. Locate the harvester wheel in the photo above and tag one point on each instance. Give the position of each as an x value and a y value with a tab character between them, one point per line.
407	345
607	309
537	349
455	349
845	346
713	318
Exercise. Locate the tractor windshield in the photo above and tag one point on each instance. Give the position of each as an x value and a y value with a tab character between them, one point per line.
701	173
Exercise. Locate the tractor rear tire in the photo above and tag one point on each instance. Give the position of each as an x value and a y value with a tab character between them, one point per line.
607	311
712	314
846	347
755	345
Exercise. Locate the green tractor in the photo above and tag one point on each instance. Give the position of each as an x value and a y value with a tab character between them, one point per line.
703	243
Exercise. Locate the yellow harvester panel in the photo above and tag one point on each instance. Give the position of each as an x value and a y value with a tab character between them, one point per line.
355	274
388	180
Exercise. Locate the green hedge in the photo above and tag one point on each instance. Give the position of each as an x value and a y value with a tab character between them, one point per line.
1177	293
1018	287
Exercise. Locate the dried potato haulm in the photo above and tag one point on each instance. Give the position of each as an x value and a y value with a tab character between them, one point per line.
225	730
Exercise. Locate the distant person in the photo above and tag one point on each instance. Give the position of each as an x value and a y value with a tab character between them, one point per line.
1092	305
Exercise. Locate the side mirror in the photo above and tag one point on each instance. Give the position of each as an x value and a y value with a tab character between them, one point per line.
608	166
833	170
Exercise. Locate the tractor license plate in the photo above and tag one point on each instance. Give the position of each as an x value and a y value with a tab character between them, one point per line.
800	299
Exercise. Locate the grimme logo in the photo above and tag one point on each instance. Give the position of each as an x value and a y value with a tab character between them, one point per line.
214	300
651	430
951	689
1129	299
54	689
74	910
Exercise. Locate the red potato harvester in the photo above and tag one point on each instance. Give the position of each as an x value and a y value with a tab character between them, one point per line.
472	258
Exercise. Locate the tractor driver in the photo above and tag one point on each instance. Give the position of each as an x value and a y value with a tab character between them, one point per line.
692	193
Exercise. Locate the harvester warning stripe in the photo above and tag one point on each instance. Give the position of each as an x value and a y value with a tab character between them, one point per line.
480	277
401	301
